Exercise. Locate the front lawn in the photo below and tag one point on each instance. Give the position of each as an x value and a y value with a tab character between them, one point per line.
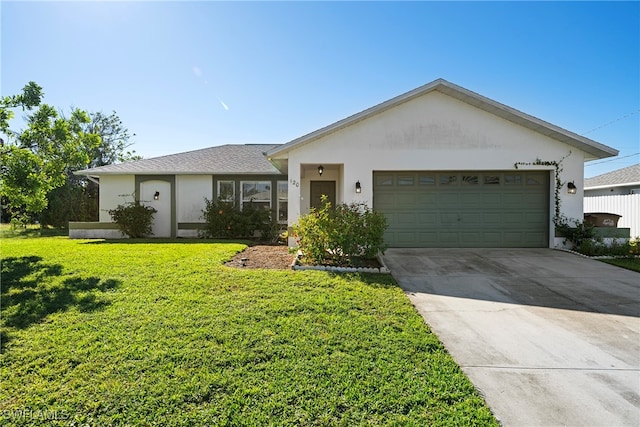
628	263
140	333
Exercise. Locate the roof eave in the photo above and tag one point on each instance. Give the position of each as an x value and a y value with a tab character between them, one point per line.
601	187
161	172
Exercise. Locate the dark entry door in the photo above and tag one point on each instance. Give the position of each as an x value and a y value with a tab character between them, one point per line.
319	188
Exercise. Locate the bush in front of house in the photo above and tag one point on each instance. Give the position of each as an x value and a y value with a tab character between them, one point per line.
224	220
134	219
341	235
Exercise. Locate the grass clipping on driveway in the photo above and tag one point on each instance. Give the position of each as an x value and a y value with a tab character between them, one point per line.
140	333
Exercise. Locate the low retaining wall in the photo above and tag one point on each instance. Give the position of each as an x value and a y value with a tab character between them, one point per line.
94	230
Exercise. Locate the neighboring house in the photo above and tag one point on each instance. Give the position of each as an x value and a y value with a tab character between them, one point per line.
618	182
438	161
616	192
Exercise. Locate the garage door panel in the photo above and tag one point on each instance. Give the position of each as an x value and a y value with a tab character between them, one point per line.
491	239
425	199
454	209
490	199
513	218
427	217
405	238
471	199
492	219
384	201
471	238
447	199
405	200
513	199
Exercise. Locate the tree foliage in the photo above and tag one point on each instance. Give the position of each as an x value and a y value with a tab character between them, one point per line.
39	161
30	97
77	199
114	140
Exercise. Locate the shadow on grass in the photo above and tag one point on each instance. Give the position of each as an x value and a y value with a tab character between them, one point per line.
30	292
31	232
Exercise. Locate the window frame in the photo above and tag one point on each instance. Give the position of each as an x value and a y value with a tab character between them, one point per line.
286	200
233	190
256	183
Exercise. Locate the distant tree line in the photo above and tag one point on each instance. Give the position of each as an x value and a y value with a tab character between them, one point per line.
37	163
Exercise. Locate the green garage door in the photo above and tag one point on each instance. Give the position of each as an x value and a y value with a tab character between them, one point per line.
464	209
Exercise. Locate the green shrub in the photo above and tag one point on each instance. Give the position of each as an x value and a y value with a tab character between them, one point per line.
134	219
583	239
341	234
225	221
579	234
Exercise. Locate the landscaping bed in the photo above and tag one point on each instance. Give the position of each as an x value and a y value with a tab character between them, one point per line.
263	256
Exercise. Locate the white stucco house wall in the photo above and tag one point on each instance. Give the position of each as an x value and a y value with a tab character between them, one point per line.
447	166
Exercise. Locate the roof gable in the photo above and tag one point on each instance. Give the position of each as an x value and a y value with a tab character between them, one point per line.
224	159
593	148
617	178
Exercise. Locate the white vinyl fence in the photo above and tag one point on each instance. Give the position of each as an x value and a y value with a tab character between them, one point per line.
627	205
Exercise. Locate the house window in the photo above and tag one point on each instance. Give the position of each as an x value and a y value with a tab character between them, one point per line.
448	179
513	179
256	194
470	179
533	180
283	197
492	180
384	180
226	191
405	180
427	180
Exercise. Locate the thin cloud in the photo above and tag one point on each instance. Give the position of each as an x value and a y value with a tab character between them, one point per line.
197	71
223	104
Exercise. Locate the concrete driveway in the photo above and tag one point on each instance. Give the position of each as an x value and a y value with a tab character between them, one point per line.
549	338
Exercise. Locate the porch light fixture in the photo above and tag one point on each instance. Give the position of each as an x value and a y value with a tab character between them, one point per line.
358	187
571	188
156	196
320	170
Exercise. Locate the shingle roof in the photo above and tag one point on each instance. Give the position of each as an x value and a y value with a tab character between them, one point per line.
593	148
223	159
625	176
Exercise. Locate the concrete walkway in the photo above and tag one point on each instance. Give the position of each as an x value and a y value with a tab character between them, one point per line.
549	338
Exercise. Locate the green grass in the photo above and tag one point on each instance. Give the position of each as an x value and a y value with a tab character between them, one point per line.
628	263
139	333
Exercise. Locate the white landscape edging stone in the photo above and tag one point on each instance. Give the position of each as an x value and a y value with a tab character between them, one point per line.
383	269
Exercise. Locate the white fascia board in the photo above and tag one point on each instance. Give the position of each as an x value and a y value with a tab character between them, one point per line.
600	187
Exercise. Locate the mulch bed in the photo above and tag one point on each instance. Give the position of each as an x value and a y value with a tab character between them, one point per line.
276	257
263	256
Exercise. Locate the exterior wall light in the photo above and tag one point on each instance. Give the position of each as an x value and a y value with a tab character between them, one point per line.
571	188
156	196
358	187
320	170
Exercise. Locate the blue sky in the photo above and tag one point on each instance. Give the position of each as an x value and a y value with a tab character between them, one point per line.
189	75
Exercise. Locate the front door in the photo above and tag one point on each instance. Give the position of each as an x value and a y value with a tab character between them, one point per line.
320	188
